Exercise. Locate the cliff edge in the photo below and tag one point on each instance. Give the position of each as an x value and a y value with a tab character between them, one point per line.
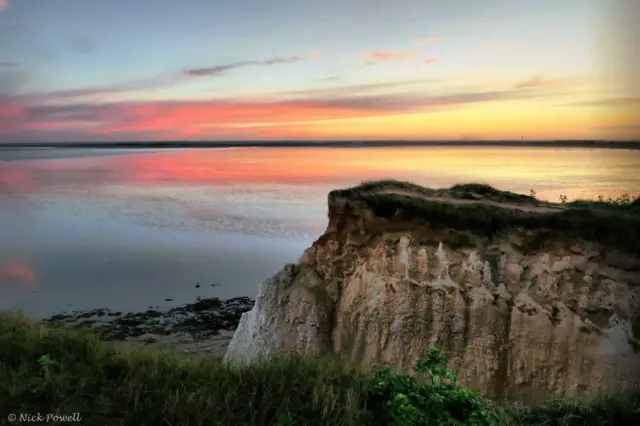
528	299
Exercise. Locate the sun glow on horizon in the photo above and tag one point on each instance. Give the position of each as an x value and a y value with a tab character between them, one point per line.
499	76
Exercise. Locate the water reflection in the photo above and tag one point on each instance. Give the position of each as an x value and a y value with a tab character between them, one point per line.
16	273
573	172
128	231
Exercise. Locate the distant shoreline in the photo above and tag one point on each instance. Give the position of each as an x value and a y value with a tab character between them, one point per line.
635	145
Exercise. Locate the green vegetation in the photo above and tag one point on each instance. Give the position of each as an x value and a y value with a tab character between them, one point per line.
469	191
57	370
614	223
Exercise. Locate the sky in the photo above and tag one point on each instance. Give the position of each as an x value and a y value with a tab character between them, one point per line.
127	70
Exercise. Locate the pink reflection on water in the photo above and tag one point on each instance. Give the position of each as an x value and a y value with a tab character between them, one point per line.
17	273
14	179
575	173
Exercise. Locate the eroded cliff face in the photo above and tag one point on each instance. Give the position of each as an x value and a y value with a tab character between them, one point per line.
522	315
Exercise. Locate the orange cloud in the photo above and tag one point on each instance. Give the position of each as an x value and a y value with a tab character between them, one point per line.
220	115
293	114
428	40
385	56
430	61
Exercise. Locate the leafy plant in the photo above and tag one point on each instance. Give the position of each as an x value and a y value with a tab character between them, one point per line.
404	400
46	361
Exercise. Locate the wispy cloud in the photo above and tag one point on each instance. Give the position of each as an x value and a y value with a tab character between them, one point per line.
621	128
611	102
539	82
82	44
4	4
429	61
535	81
13	82
501	47
219	69
76	114
8	64
328	78
428	40
397	86
163	81
30	119
386	56
132	86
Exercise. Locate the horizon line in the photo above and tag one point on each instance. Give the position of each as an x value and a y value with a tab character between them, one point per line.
611	144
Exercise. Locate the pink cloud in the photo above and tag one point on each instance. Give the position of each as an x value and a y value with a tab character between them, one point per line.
4	4
385	56
283	113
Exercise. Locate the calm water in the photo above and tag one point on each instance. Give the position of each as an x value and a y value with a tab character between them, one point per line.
84	229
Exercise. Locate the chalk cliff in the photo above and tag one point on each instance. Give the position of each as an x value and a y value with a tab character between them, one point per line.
528	299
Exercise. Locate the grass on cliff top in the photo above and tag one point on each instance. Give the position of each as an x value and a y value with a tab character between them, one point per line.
55	370
469	191
613	222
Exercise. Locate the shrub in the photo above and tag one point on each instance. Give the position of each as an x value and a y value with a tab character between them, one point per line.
404	400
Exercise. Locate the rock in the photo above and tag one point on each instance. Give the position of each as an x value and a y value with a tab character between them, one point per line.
519	312
204	326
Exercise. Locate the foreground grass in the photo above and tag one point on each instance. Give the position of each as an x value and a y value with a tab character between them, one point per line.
614	223
114	384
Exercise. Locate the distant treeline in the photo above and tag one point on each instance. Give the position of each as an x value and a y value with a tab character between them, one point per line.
324	144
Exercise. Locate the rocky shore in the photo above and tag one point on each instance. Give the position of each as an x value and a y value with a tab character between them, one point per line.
204	327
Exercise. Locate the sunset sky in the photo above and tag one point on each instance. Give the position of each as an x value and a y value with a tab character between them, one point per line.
98	70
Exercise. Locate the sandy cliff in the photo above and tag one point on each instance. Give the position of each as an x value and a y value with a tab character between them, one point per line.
528	299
